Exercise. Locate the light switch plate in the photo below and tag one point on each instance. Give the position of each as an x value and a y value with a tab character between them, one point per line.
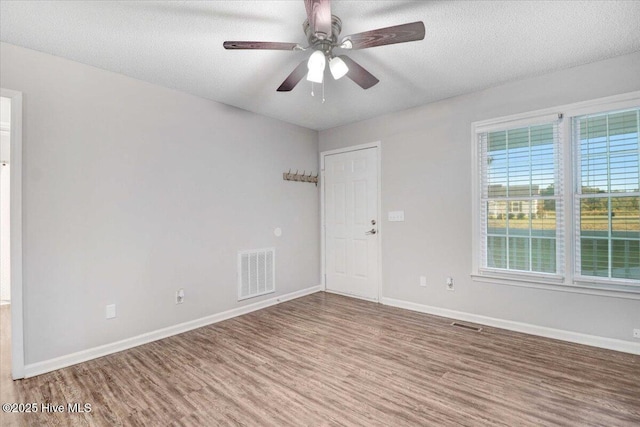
396	216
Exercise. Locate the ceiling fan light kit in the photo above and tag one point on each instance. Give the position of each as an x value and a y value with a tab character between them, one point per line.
316	65
338	68
322	30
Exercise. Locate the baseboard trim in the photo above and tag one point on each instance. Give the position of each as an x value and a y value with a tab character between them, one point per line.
559	334
43	367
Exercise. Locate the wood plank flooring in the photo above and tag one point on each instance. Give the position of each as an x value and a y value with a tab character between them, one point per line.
328	360
7	391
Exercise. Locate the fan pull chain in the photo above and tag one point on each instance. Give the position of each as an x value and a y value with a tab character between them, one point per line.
313	93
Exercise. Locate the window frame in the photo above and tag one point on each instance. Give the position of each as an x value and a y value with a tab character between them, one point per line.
569	280
578	196
556	121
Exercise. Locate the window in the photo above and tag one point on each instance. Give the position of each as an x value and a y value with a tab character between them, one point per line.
557	197
521	198
607	195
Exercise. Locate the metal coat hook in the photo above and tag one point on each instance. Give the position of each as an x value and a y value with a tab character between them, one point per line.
301	177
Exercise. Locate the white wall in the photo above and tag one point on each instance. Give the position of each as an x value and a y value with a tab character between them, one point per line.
426	161
132	191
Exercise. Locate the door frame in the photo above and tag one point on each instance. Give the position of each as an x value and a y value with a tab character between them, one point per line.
323	154
15	160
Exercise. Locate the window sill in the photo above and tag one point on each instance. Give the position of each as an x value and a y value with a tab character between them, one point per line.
559	284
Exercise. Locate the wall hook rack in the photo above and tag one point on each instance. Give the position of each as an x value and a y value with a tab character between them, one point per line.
300	177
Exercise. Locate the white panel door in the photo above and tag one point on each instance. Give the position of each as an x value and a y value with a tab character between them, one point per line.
351	223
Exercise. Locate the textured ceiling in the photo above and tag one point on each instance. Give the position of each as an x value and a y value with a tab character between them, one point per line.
468	46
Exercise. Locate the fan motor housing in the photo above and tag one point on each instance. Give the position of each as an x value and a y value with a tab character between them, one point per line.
323	44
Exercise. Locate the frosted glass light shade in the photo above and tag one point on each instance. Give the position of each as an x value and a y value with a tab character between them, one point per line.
338	68
316	64
315	76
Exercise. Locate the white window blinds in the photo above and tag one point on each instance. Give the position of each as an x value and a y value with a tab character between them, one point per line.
521	198
607	196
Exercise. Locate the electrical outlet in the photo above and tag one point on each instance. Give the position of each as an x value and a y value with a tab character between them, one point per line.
423	281
636	333
450	284
180	296
110	311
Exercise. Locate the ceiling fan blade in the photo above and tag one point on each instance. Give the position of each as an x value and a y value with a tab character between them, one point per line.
319	15
259	45
294	78
383	36
358	74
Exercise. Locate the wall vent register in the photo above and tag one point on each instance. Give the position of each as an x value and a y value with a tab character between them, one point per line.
256	272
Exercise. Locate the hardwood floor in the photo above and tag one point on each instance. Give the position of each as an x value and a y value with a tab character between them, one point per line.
328	360
7	391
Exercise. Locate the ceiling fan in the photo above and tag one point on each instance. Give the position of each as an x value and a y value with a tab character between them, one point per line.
322	30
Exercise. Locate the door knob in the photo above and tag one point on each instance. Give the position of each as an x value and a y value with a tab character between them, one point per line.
372	231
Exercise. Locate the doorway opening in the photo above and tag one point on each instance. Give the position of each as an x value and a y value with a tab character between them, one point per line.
5	237
11	323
